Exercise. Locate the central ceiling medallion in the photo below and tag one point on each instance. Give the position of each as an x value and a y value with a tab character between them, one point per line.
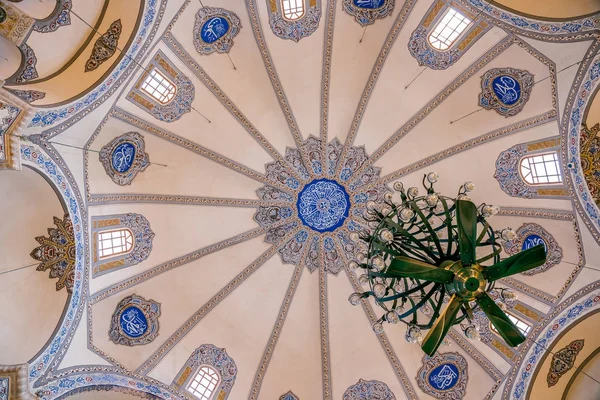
323	205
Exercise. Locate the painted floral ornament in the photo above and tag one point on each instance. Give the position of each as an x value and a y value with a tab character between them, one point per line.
215	29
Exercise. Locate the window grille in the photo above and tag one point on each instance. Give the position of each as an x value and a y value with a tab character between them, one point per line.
450	27
204	385
293	9
159	87
112	243
541	169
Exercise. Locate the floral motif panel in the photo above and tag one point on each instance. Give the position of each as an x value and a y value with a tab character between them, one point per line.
530	235
589	149
57	253
143	236
215	29
215	357
28	96
27	71
433	58
134	321
60	17
366	12
17	25
563	361
444	376
173	109
296	29
505	90
105	47
367	390
124	157
4	382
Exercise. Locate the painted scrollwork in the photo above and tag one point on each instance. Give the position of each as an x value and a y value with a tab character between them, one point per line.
215	29
444	376
505	90
124	157
366	12
134	321
368	390
105	47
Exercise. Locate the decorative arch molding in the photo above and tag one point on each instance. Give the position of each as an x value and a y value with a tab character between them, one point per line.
426	55
586	83
297	29
41	157
72	112
508	175
583	28
215	357
582	303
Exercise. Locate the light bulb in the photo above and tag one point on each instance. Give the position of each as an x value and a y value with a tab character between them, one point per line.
433	177
379	290
472	333
360	257
352	265
378	328
398	186
469	186
354	237
378	263
371	205
363	279
463	197
386	235
385	210
388	197
413	191
392	317
508	294
432	199
508	234
354	298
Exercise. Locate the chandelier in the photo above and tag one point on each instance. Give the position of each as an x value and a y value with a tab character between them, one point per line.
433	261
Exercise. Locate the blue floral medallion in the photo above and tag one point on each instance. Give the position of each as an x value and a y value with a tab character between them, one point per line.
444	376
214	29
507	89
323	205
123	156
369	4
532	241
133	322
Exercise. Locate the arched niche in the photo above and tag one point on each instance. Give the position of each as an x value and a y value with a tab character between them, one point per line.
89	62
550	9
32	307
107	393
38	9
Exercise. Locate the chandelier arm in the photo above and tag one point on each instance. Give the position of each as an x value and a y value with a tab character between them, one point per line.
418	305
410	237
450	233
425	222
466	217
404	294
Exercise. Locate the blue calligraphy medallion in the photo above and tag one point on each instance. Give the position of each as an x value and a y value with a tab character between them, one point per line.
214	29
507	89
532	241
122	157
323	205
369	4
444	376
133	322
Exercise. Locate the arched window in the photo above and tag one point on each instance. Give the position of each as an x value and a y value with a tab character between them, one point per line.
204	384
448	29
541	169
292	9
114	242
159	87
523	326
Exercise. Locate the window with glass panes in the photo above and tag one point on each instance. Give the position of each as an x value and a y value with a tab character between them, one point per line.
448	29
159	87
541	169
523	326
205	383
292	9
112	243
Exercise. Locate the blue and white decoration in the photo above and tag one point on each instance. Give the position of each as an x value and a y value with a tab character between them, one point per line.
4	388
322	202
323	205
367	390
443	376
508	175
124	157
8	115
505	90
529	235
366	12
60	17
215	29
135	321
297	29
289	396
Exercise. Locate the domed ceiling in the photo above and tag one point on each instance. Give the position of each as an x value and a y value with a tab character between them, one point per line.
215	179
